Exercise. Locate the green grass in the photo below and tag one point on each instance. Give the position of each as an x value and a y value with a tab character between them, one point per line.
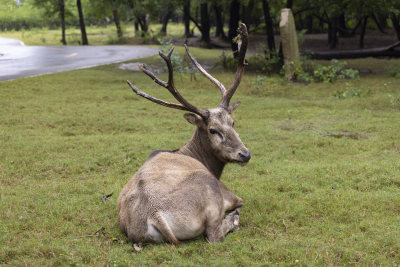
97	35
310	198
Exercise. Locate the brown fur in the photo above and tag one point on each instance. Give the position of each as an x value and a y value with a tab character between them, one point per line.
177	195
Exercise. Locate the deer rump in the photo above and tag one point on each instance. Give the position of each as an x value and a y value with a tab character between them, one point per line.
176	195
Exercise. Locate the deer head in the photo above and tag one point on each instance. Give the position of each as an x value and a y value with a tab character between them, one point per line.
215	127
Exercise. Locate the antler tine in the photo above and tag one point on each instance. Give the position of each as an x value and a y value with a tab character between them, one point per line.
167	59
242	47
156	100
143	68
184	104
205	73
171	87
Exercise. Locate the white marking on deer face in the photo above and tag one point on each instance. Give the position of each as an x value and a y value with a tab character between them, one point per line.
223	140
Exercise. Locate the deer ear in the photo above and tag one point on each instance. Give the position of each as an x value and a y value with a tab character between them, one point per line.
233	106
193	118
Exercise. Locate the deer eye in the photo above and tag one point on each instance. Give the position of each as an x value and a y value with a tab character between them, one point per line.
212	131
233	124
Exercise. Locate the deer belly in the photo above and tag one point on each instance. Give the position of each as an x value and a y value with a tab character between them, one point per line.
185	226
154	234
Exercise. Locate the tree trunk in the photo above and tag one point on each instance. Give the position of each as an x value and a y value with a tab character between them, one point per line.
205	24
62	17
353	31
143	24
396	25
82	23
136	23
289	4
186	18
219	22
342	26
269	27
233	24
116	18
165	20
362	34
329	33
321	25
382	18
332	33
196	13
309	23
378	23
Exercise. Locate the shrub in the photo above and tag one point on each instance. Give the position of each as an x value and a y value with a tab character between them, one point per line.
308	71
305	71
352	91
268	63
335	71
177	61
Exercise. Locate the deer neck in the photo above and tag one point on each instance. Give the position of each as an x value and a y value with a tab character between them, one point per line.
198	148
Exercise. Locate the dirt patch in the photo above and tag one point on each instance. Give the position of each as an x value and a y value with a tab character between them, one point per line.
347	134
289	125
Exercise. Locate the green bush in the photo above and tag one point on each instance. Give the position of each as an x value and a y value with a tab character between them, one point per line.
306	71
352	91
268	63
335	71
298	71
178	62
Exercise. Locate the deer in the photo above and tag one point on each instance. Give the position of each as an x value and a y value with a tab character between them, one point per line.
177	195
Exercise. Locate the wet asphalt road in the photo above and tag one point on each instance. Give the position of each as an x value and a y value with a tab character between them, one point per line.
18	60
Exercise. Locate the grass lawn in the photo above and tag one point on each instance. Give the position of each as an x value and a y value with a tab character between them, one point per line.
322	188
97	35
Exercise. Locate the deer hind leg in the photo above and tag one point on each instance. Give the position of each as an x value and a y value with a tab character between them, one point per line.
217	232
157	221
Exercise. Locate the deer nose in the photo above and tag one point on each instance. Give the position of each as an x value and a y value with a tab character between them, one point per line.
245	155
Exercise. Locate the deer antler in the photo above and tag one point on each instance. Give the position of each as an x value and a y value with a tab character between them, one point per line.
205	73
184	104
242	47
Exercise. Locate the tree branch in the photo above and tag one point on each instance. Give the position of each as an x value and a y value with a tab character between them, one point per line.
195	23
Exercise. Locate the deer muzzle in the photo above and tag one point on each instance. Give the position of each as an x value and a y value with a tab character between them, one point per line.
245	156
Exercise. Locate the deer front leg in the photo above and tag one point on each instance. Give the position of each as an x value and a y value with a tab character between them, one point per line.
216	233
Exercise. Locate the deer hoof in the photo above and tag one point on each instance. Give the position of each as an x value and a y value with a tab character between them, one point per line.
236	220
